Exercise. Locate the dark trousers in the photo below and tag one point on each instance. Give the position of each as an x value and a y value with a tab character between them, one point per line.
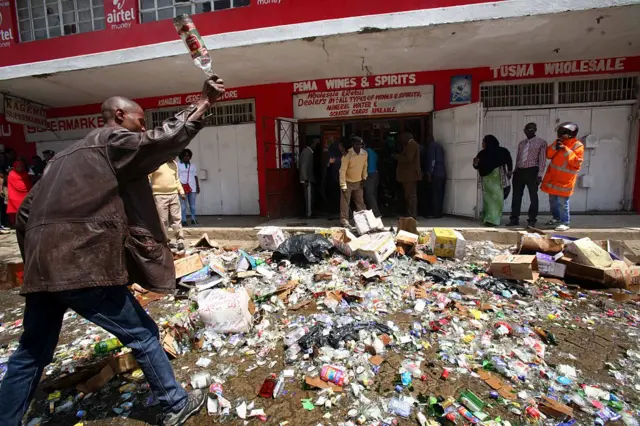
525	178
435	196
308	198
371	192
113	308
409	190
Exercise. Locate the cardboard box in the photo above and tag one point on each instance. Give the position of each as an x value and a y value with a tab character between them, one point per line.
98	381
123	363
408	224
348	243
270	238
586	252
548	267
515	267
531	243
188	265
554	408
379	248
618	275
447	243
367	222
407	241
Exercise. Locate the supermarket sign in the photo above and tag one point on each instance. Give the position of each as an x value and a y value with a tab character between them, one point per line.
363	102
66	128
20	111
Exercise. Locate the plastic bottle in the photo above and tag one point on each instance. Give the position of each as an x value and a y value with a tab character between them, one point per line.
107	346
334	375
399	407
628	419
412	367
293	351
295	335
195	45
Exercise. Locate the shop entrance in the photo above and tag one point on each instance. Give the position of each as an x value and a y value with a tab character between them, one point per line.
380	134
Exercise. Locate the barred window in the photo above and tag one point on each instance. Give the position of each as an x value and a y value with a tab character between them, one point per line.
513	95
41	19
221	114
600	90
156	10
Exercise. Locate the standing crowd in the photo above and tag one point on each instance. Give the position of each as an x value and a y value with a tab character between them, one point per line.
496	169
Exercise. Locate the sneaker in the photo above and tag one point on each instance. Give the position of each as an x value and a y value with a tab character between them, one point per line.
562	228
532	223
195	402
345	224
194	222
553	222
185	224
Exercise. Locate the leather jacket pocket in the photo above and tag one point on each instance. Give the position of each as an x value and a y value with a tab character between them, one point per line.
149	262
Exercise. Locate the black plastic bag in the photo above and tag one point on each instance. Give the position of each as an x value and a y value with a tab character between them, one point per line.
311	246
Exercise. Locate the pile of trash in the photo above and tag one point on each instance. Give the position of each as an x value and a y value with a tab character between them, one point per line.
380	327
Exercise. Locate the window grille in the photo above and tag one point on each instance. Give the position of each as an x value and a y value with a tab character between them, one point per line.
600	90
221	114
513	95
156	10
41	19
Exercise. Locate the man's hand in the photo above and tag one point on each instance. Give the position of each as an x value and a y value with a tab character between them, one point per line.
343	188
183	196
212	90
362	184
539	180
197	189
476	161
429	177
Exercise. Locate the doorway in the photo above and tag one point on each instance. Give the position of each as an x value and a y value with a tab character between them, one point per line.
379	134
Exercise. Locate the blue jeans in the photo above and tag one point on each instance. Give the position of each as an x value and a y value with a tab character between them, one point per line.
113	308
191	200
560	208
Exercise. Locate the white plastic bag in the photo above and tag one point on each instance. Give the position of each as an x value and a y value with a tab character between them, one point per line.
225	310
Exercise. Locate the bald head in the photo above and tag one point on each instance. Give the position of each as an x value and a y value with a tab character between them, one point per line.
123	112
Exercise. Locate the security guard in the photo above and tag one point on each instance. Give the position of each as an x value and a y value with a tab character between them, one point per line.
566	155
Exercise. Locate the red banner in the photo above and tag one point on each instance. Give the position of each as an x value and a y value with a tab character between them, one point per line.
121	14
7	32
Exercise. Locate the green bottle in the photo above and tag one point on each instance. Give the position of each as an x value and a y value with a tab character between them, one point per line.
107	346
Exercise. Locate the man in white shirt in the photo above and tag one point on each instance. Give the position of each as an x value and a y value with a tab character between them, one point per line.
189	178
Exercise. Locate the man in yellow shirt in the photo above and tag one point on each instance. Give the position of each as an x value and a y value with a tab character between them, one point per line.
166	187
353	175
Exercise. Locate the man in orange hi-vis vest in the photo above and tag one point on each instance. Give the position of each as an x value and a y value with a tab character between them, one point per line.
566	155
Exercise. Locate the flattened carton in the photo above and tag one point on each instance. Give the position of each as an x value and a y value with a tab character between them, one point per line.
348	243
515	267
618	275
446	242
379	248
587	252
270	238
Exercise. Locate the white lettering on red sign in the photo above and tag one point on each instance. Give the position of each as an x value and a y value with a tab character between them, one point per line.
192	98
551	69
360	102
6	26
588	66
390	80
119	14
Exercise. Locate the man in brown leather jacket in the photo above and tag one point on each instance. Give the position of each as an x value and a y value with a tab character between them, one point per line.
88	228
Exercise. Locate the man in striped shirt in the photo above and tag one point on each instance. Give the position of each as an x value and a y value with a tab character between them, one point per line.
528	173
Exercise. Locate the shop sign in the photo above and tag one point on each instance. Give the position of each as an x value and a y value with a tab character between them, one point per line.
65	128
121	14
389	80
559	69
178	100
24	112
363	102
6	24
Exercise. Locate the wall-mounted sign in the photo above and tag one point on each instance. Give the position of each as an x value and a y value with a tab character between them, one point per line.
460	89
65	128
363	102
24	112
121	14
559	69
6	24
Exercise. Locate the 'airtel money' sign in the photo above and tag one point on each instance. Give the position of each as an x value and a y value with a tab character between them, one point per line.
6	26
120	14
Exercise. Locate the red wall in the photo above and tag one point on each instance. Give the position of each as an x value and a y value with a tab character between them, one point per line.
240	19
275	100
